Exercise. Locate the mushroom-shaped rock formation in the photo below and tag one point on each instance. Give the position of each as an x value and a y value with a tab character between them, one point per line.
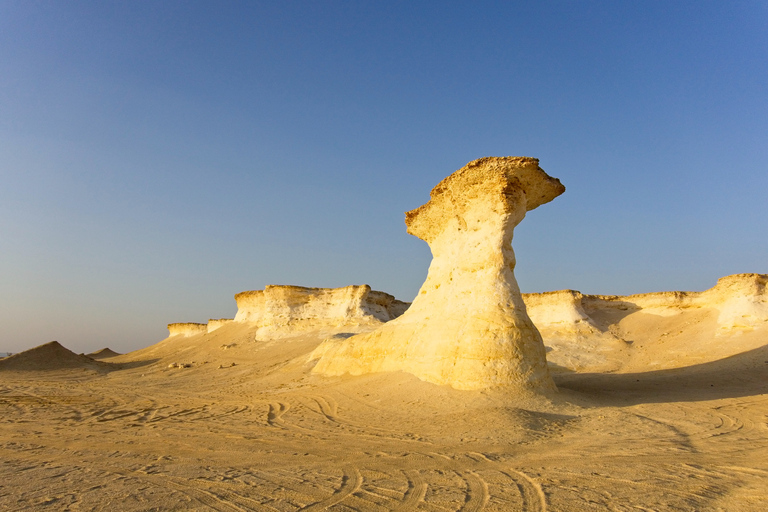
468	327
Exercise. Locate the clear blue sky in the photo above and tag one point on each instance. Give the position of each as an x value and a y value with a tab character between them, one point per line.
158	157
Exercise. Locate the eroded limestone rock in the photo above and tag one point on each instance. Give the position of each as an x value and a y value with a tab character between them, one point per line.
281	310
660	330
187	329
468	326
217	323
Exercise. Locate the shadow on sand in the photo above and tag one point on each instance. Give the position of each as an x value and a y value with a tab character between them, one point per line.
741	375
130	365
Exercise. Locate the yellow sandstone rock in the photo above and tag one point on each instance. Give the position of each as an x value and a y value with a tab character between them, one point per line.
468	327
186	329
217	323
281	310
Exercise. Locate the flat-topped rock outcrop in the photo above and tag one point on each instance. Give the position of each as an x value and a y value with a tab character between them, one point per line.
468	327
186	329
277	310
217	323
740	299
573	339
662	329
280	311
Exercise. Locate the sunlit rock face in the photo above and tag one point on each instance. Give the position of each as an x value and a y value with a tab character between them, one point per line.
742	300
187	329
468	327
217	323
279	310
608	333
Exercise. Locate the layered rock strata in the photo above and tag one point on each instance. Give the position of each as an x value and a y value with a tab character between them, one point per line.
607	332
187	329
282	310
468	327
573	339
741	302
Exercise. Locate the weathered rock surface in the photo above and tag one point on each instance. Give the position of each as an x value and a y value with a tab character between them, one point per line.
468	327
186	329
283	310
660	330
217	323
573	339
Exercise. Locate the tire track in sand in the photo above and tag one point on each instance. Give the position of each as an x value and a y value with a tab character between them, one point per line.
275	414
350	482
328	408
477	492
202	496
417	489
534	499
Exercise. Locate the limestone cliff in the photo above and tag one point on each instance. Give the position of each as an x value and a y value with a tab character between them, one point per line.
281	310
468	326
741	301
661	330
572	338
186	329
217	323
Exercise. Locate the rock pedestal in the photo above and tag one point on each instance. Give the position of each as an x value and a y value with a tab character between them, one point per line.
468	327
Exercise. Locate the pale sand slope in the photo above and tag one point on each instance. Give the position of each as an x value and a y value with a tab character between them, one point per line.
267	434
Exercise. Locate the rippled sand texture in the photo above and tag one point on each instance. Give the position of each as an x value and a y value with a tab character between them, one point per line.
130	433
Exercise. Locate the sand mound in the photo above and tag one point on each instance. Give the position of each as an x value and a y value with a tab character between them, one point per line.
50	356
103	354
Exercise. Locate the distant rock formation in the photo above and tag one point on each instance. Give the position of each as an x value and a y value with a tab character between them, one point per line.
278	310
216	323
742	300
606	332
468	327
573	339
49	356
187	329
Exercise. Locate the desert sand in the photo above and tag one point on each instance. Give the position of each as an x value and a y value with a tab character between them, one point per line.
649	402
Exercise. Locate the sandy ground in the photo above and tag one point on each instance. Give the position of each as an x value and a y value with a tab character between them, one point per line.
130	433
